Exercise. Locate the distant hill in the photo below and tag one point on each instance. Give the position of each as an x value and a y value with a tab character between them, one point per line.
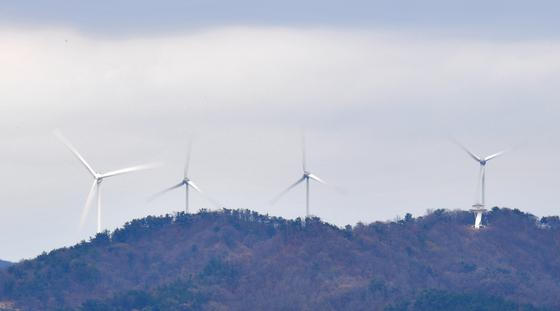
241	260
4	264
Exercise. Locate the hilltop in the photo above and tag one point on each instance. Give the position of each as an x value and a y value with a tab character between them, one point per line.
241	260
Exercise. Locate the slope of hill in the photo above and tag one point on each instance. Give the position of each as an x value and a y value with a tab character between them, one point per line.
4	264
240	260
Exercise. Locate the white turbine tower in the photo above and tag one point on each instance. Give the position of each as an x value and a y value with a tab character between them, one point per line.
479	207
97	179
187	183
307	176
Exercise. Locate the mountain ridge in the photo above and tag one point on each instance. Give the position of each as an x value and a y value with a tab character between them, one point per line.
238	259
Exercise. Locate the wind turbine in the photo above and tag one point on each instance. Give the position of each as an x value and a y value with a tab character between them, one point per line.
479	206
97	179
306	177
187	183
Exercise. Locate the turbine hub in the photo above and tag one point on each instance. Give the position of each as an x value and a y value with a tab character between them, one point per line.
483	162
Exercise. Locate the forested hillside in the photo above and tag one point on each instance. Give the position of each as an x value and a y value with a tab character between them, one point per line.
241	260
4	264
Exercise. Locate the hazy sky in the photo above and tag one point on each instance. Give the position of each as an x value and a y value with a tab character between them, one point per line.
379	86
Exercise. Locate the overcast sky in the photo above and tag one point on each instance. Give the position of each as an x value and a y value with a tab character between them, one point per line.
380	87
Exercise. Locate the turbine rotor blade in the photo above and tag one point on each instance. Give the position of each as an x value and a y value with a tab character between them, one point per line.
322	181
316	178
204	195
66	142
474	156
497	154
153	197
194	186
303	153
87	207
131	169
286	191
188	158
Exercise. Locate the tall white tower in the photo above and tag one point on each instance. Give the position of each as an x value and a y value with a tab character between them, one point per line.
479	207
